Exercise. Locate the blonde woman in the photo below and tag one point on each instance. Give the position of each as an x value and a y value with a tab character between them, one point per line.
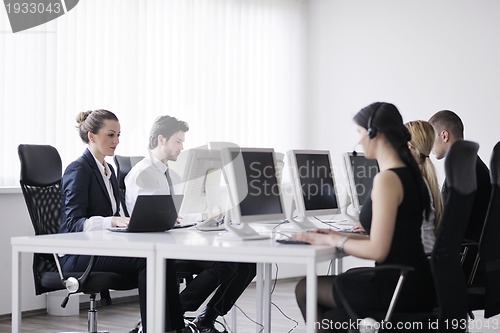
422	140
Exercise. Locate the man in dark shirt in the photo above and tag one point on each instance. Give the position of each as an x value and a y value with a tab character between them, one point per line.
449	128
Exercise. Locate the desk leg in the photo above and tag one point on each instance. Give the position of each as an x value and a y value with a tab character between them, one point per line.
16	291
266	310
337	266
233	320
155	293
259	290
311	292
263	290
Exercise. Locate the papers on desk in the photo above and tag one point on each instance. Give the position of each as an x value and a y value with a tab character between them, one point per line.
342	225
340	222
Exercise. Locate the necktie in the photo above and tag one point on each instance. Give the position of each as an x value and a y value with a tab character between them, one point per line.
169	181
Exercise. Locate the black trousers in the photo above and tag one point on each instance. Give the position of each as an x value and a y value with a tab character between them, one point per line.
173	311
229	278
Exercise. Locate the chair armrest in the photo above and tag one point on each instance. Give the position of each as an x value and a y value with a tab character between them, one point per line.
468	242
75	284
82	279
466	245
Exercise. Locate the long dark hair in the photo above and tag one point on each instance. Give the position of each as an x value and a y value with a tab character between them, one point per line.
385	118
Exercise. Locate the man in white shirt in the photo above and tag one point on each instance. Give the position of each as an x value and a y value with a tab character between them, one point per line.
151	176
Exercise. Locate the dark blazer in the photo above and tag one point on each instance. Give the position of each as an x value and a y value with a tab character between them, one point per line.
84	194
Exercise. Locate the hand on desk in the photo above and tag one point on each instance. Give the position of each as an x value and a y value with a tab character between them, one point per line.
319	237
119	221
358	228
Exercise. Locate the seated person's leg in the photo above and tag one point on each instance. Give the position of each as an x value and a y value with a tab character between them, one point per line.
227	293
210	276
324	297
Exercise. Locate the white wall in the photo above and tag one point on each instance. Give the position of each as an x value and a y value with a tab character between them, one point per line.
423	56
15	222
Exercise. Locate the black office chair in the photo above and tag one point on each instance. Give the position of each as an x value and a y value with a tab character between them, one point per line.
123	166
485	297
41	172
449	281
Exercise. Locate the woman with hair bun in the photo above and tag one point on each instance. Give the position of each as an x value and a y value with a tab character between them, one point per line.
91	201
392	217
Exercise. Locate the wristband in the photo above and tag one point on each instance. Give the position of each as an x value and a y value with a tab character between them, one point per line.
340	245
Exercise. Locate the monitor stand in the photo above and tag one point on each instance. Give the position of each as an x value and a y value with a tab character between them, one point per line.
352	212
243	231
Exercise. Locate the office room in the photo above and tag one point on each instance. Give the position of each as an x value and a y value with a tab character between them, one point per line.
282	74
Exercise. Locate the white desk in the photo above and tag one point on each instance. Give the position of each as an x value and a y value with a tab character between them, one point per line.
92	243
178	244
186	244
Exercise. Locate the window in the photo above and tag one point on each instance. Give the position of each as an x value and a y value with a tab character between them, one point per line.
233	69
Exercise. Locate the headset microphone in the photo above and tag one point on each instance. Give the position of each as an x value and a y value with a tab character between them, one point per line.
354	152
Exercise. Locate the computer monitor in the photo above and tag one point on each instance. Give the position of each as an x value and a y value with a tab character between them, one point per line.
253	188
200	170
313	182
360	172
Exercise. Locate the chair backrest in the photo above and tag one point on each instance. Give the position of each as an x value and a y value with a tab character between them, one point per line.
41	172
489	246
449	280
123	166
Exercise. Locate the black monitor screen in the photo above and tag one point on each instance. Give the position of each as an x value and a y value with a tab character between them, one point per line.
263	196
363	171
316	181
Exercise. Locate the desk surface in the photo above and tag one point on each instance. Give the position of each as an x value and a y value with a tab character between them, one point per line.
84	242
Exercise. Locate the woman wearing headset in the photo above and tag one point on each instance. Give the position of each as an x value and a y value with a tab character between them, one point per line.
392	217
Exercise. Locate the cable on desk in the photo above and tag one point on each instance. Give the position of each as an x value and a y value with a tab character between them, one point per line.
282	222
329	224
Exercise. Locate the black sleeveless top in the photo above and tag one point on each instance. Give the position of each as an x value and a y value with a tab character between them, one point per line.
406	249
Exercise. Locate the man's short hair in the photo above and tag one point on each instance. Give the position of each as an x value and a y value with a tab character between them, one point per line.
448	120
166	126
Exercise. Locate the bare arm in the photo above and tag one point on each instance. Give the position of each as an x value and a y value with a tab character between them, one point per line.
386	195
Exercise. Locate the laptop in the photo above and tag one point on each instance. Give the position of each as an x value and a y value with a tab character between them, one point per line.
181	222
152	213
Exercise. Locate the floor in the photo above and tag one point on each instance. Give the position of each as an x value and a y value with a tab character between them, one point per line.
123	317
285	316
